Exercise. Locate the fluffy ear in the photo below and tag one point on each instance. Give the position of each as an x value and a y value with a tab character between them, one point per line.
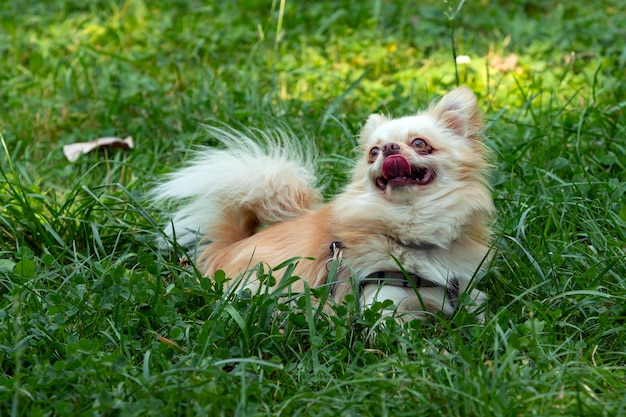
458	111
372	123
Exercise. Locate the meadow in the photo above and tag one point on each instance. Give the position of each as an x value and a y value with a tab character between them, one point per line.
96	320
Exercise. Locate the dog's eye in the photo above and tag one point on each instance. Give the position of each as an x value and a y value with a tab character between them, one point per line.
419	143
373	154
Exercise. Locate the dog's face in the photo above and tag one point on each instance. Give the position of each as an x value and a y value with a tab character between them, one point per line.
399	160
428	154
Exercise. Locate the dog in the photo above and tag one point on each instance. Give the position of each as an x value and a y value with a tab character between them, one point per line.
411	226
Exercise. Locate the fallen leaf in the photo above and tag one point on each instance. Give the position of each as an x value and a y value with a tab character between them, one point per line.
167	341
504	64
74	150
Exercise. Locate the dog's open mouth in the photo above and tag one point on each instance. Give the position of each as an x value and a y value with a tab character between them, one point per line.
398	172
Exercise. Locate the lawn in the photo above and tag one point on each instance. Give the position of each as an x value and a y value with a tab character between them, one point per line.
96	320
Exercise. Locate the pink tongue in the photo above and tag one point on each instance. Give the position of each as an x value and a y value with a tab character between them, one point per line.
396	166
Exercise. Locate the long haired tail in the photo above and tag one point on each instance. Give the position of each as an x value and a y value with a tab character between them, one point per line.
225	194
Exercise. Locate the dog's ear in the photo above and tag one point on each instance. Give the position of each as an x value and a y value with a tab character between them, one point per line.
372	123
458	111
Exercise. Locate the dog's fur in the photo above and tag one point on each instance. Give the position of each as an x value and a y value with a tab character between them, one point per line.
256	201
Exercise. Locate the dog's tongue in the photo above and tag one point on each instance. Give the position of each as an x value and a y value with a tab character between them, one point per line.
396	166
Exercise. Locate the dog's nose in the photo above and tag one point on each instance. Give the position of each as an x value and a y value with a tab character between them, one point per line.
390	148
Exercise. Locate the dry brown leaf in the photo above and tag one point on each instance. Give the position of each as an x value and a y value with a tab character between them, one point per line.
74	150
504	64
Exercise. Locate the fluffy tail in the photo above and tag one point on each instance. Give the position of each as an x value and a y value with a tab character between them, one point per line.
225	194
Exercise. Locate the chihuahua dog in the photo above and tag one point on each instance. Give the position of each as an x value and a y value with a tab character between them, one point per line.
412	225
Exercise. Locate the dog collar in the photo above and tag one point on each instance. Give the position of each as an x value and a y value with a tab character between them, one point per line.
397	279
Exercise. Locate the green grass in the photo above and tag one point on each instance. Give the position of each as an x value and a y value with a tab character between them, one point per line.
94	320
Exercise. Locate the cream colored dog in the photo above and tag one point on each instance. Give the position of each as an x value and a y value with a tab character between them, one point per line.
412	225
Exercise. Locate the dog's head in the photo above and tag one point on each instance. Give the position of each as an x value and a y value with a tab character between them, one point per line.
425	154
423	174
